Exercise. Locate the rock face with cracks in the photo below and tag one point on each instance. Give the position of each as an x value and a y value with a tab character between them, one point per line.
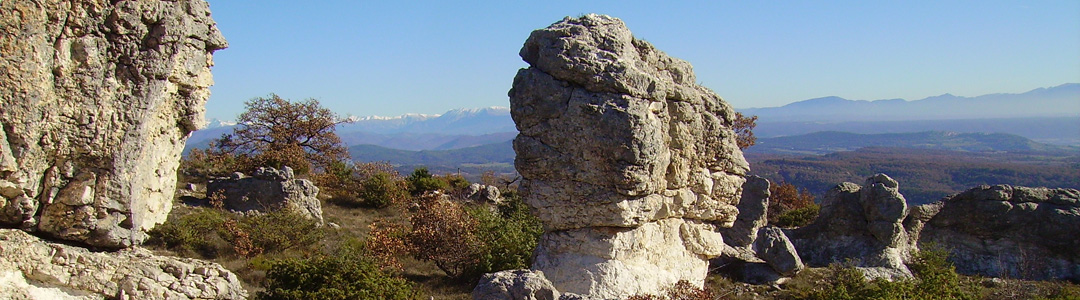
96	101
268	189
34	269
630	164
861	223
1009	231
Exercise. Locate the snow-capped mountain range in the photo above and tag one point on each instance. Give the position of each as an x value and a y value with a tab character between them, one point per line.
463	121
1044	114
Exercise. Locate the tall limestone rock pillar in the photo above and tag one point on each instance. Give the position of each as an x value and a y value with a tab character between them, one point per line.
96	101
628	162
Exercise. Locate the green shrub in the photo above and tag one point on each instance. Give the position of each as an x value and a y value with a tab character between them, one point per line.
196	232
341	276
214	232
798	217
381	190
421	181
455	182
935	278
509	236
1063	292
282	230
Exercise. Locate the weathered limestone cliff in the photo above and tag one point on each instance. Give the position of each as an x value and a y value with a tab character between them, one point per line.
993	231
1007	231
628	162
96	100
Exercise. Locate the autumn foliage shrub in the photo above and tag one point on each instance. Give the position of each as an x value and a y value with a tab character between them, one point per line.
790	206
463	241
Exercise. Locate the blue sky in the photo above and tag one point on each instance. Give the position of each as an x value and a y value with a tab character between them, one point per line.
393	57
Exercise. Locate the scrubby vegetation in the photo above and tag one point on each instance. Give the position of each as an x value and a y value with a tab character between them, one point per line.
935	278
463	240
347	274
790	206
414	237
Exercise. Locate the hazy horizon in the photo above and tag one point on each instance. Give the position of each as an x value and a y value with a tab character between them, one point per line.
388	58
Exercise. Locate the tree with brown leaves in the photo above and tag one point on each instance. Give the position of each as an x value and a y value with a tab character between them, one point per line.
744	134
276	132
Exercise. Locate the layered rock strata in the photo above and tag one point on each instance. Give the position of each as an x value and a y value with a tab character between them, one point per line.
1007	231
96	101
34	269
630	164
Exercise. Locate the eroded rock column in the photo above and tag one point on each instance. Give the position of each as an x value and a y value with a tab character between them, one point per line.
628	162
96	101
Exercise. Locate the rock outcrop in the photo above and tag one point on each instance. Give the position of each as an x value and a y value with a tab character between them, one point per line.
753	209
34	269
96	101
774	247
630	165
266	190
1006	231
515	284
482	193
861	224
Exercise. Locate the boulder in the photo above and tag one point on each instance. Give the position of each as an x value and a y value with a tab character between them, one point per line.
1008	231
98	98
773	246
630	165
482	193
753	212
863	224
266	190
515	285
31	268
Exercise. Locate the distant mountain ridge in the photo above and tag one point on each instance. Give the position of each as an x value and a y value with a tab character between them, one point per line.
458	128
464	121
1050	115
826	142
500	156
1058	101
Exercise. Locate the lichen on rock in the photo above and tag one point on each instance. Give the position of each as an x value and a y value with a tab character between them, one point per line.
630	164
96	102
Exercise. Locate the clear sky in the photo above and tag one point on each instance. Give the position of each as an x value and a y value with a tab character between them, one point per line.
394	57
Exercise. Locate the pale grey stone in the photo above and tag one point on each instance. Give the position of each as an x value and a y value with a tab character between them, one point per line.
1009	231
773	246
630	165
31	268
515	285
864	225
267	190
98	99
